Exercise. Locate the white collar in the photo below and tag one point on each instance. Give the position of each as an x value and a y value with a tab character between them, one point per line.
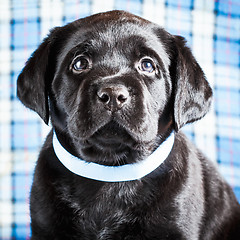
127	172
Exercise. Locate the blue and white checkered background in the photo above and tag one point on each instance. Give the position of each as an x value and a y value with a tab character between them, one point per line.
212	28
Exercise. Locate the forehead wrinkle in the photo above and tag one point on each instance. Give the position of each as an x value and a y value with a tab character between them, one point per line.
121	72
115	32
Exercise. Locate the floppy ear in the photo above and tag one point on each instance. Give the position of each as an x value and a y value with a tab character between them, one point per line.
192	92
32	83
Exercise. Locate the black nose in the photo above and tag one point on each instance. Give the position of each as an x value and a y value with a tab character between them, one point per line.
114	97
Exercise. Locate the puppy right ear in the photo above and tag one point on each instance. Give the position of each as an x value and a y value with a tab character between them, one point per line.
33	82
193	94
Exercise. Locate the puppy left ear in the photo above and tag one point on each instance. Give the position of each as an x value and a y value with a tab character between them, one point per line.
192	92
32	83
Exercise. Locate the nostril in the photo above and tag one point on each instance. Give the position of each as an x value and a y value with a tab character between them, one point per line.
103	97
121	98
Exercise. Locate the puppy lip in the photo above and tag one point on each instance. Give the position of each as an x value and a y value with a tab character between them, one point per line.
125	136
112	130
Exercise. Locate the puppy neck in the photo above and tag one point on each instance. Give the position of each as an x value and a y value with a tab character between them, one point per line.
127	172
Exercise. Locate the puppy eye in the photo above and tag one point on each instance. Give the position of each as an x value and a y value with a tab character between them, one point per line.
147	65
80	64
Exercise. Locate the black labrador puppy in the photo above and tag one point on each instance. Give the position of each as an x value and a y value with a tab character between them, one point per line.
118	88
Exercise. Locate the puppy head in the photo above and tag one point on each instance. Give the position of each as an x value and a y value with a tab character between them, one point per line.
112	77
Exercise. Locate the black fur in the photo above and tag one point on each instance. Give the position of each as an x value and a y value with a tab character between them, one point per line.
113	112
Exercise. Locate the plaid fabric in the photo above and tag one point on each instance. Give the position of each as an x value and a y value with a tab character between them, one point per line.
212	28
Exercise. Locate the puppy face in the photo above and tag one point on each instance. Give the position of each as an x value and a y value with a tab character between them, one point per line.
111	74
115	82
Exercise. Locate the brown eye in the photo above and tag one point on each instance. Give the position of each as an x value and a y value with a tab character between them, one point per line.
147	65
80	64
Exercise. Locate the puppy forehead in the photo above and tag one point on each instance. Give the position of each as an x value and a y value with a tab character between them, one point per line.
123	32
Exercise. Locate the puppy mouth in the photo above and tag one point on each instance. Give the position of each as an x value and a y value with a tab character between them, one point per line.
111	134
112	130
109	145
111	140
